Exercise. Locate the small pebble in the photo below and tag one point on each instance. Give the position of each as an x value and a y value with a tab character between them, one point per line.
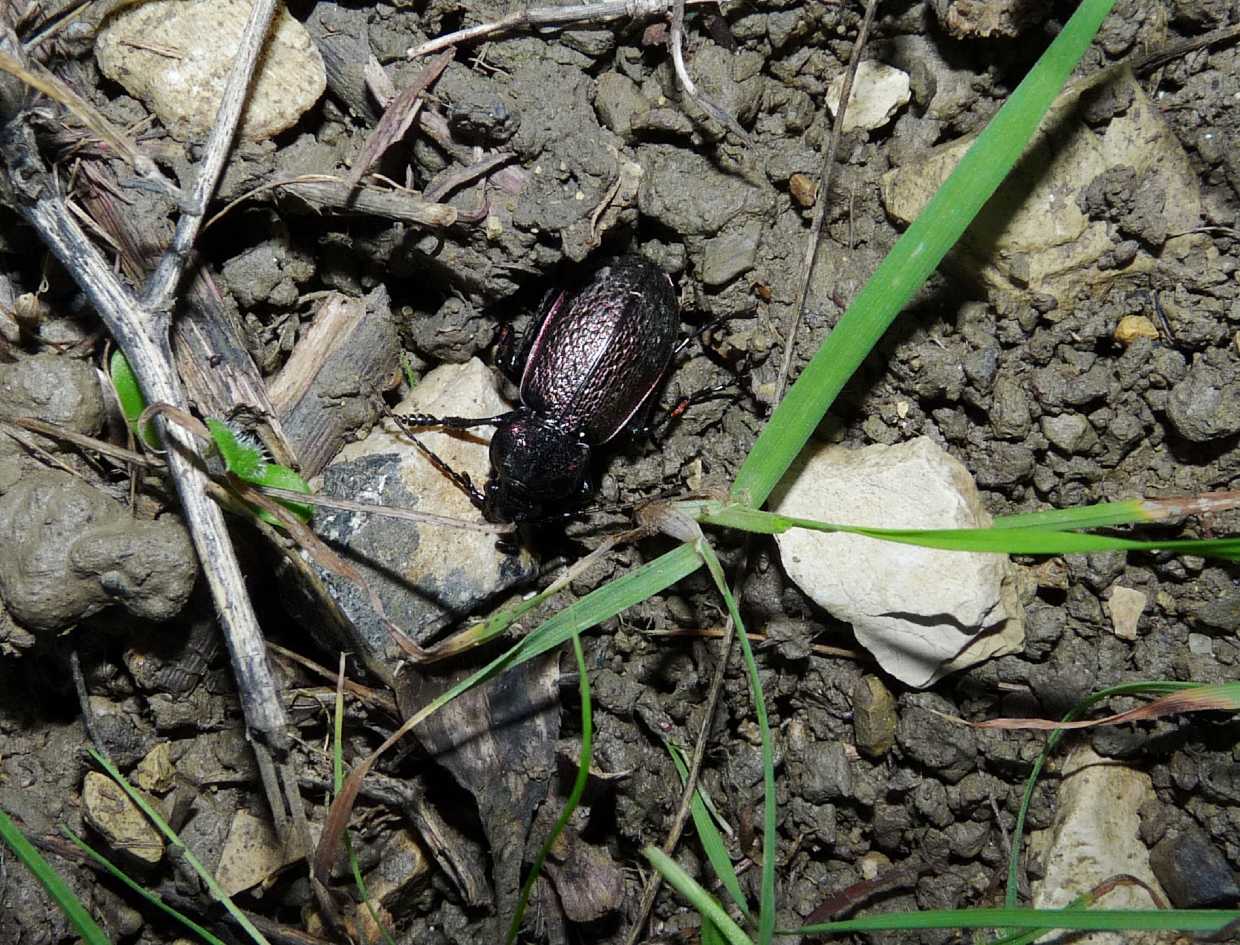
1133	327
1193	871
804	189
1200	645
1125	606
878	92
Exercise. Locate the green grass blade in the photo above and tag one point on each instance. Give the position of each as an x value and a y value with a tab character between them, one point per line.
53	882
1101	515
766	896
1011	540
1154	687
574	797
699	898
129	397
1184	920
162	826
116	873
914	256
710	934
594	608
710	838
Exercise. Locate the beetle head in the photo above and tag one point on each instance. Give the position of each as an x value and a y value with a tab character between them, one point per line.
534	464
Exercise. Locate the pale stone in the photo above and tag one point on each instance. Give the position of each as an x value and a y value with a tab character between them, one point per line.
1095	838
176	55
252	853
1133	327
1125	606
427	576
123	826
878	92
156	772
922	612
1032	236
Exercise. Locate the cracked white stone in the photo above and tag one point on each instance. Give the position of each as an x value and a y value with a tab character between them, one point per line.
878	92
921	612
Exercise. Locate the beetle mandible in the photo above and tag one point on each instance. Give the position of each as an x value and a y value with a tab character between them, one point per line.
587	369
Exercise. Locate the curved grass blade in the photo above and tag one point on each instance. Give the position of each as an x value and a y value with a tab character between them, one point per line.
116	873
171	835
1154	687
708	835
915	255
699	898
53	882
592	609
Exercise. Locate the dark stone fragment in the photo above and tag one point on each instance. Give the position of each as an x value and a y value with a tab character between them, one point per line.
1205	405
1221	613
1005	464
934	742
1193	871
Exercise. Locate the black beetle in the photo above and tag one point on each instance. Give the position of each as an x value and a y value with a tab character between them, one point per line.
587	369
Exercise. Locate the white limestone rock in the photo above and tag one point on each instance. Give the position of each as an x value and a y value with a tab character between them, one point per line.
175	55
1095	838
922	612
878	92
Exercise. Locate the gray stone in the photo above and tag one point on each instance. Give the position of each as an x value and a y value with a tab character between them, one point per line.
1069	433
730	254
177	57
617	99
922	612
927	735
1004	464
1205	406
824	773
1009	408
71	550
55	389
1193	871
1221	613
426	576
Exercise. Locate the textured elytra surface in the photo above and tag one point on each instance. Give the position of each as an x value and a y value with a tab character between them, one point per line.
601	350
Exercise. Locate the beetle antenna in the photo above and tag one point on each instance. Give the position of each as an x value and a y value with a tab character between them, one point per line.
410	421
459	479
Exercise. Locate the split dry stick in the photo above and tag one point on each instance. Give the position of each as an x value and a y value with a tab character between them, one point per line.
553	16
141	329
820	209
162	286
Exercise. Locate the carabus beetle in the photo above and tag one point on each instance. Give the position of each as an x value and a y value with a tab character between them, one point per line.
587	369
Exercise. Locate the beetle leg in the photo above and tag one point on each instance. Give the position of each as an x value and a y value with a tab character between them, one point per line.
656	428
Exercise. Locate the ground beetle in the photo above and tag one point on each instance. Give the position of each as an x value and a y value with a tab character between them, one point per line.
587	368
